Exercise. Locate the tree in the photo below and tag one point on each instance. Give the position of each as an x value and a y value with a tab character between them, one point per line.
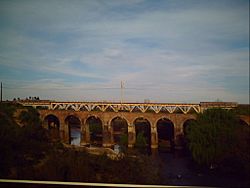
123	142
141	140
30	116
20	146
95	128
32	126
212	138
8	135
242	109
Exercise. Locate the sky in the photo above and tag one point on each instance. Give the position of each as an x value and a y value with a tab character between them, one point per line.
163	50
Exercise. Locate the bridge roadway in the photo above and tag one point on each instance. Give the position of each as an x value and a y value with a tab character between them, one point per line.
176	114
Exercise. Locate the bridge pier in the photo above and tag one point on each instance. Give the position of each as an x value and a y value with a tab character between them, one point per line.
154	138
111	130
106	142
85	134
131	136
64	133
178	135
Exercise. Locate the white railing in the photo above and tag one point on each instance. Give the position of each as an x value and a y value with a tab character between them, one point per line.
130	107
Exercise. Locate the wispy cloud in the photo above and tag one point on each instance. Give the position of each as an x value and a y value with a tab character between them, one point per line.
163	50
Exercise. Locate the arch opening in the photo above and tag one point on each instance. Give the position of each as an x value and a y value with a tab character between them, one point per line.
52	123
74	127
95	131
143	133
165	130
120	131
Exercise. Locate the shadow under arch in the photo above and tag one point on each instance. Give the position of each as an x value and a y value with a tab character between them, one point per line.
120	130
95	130
52	123
143	133
165	130
74	126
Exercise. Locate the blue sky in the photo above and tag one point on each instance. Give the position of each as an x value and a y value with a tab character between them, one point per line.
165	51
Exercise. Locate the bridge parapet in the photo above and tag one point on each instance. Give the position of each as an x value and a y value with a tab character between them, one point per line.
117	107
224	105
46	105
131	107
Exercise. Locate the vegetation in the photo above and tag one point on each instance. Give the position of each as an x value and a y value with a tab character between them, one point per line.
23	145
70	165
140	140
242	110
95	128
122	141
218	139
27	153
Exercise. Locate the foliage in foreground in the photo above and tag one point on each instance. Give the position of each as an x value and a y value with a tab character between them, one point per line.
20	145
218	138
26	153
70	165
243	109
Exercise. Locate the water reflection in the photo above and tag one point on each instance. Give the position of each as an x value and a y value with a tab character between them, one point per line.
75	136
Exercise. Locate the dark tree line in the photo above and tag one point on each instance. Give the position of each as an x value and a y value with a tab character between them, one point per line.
27	99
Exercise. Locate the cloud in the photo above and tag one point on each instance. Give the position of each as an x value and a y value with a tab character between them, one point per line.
166	51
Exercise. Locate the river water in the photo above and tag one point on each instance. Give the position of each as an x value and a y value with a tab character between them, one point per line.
75	135
178	169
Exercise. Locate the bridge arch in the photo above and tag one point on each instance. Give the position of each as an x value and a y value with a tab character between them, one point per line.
186	124
52	123
142	132
94	126
119	130
119	117
165	132
93	116
183	141
73	123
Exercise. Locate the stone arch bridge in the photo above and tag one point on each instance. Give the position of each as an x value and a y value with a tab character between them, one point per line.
173	114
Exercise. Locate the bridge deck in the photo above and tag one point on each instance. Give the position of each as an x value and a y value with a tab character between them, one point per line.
129	107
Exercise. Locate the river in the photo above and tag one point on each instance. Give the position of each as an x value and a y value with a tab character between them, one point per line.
75	135
178	169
